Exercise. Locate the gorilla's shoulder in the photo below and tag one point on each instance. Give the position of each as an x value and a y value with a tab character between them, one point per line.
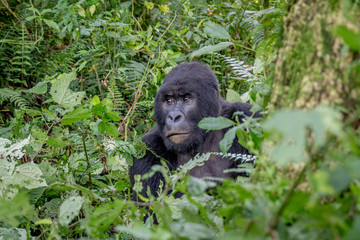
227	109
153	139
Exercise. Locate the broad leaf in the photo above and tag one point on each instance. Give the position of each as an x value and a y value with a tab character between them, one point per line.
40	88
232	96
210	49
61	93
109	128
77	115
350	37
216	31
69	209
95	100
26	175
52	24
228	140
290	130
218	123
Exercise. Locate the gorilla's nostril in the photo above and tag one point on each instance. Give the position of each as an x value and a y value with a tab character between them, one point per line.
177	118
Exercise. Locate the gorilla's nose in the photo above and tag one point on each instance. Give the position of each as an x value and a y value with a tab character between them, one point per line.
175	117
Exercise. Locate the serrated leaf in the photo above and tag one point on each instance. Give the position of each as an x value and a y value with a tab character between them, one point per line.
52	24
232	96
114	116
77	115
210	49
40	88
218	123
69	209
61	93
227	141
216	31
111	129
14	150
27	175
56	142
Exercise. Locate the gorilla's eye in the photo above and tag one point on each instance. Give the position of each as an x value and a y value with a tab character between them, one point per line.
186	98
169	100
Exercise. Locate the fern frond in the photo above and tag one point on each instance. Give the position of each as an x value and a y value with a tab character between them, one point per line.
15	97
241	157
240	70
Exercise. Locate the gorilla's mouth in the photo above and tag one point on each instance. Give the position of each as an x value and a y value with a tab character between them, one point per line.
177	137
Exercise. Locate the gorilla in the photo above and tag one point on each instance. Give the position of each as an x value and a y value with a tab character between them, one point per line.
189	93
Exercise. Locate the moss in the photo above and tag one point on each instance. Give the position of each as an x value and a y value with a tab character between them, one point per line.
311	67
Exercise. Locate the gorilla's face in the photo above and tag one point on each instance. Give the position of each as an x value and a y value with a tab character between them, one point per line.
189	93
178	108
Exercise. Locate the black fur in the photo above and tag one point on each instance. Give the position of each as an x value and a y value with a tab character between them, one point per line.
197	82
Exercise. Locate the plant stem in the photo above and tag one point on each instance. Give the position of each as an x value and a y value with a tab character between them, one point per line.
86	156
274	222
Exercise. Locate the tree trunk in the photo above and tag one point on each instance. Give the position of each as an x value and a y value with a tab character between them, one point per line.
314	66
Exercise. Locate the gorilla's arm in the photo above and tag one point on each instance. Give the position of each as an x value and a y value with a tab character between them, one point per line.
141	166
228	109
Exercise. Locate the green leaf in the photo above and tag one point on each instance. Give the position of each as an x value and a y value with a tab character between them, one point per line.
27	175
43	222
232	96
56	142
290	136
104	216
350	37
61	93
77	115
69	209
12	209
196	186
52	24
228	140
210	49
95	100
218	123
92	9
114	116
216	31
111	129
258	66
40	88
81	11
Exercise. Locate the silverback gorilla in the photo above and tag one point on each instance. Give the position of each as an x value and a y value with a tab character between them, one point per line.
189	93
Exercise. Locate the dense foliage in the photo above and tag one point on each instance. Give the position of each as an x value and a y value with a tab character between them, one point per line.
77	85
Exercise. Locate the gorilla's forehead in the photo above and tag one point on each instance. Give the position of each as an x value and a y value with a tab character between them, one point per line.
191	75
186	86
177	88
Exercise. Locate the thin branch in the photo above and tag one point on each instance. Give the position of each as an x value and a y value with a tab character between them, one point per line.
274	222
